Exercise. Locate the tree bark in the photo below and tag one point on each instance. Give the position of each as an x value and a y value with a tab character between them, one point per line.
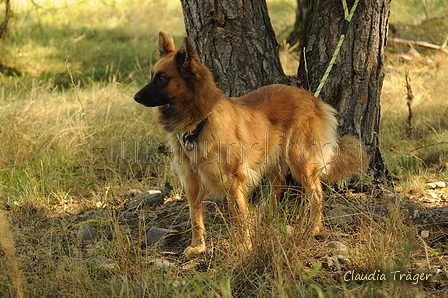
235	39
355	82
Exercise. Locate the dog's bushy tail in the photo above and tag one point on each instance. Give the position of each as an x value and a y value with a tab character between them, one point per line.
350	159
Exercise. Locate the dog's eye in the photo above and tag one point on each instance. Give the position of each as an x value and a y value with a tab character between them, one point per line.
161	79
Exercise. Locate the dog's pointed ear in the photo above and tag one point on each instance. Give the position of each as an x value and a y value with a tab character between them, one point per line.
165	45
186	58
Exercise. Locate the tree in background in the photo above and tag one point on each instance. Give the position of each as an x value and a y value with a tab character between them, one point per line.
235	39
297	34
6	17
6	13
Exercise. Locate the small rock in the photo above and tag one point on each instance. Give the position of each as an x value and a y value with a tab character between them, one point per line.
147	199
431	185
178	283
131	193
128	214
432	195
440	184
87	213
87	233
424	234
330	262
162	263
334	262
161	236
337	245
182	226
289	230
342	259
102	262
339	216
434	185
150	215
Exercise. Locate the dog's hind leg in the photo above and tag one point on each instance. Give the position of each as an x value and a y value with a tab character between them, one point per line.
309	176
313	187
277	183
240	213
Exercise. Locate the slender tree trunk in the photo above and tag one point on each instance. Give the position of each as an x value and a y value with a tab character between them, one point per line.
355	82
235	39
296	35
4	24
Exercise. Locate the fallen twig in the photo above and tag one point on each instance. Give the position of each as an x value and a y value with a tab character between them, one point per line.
416	43
429	145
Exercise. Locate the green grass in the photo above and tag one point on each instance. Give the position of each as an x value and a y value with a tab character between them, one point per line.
70	132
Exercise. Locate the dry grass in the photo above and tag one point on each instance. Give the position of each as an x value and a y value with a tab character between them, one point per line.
73	140
10	264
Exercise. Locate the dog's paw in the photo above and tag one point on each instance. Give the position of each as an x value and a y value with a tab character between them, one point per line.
193	251
316	231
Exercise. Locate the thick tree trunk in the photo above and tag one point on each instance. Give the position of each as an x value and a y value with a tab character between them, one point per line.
235	39
355	82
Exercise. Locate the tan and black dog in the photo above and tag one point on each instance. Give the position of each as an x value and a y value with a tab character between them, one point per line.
223	145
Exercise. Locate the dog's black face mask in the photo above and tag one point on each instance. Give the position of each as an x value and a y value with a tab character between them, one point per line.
154	94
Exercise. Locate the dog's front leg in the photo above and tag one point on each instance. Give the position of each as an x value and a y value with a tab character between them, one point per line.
195	197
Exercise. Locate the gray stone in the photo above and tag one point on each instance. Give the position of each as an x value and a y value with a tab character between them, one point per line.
88	213
160	236
132	193
339	216
330	263
182	226
342	259
87	233
127	214
337	245
334	262
147	199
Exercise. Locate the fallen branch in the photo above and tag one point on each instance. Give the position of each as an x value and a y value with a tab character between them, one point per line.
427	20
424	146
415	43
436	216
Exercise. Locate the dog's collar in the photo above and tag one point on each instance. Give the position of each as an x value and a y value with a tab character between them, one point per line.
187	140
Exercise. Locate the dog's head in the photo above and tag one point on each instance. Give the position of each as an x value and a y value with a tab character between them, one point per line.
174	76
